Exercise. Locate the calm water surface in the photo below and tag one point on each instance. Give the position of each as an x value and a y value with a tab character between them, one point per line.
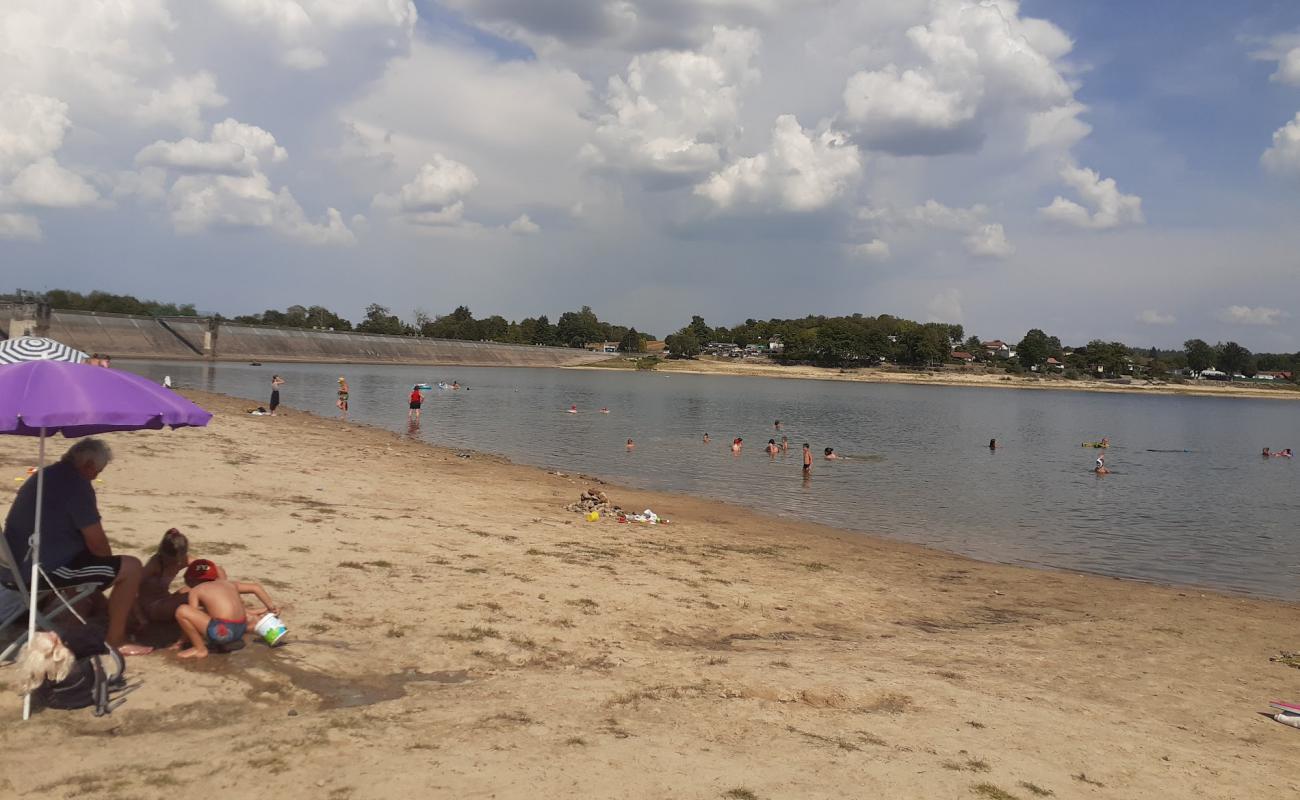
1218	515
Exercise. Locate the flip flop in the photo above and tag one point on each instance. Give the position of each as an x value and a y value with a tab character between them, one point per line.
135	650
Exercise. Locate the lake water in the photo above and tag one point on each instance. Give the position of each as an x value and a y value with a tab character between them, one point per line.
1219	515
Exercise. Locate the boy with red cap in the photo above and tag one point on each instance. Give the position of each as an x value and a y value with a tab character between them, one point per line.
214	614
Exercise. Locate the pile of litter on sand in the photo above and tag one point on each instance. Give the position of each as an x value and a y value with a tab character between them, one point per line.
594	499
1288	658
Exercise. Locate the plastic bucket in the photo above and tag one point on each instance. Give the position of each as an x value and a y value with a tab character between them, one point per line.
271	629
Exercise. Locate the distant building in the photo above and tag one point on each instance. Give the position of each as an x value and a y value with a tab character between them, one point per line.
776	345
998	349
959	355
1273	376
1052	363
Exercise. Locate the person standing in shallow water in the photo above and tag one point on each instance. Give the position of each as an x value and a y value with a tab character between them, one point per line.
807	460
342	401
417	400
276	383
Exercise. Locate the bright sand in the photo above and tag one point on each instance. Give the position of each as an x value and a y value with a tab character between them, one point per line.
957	376
454	632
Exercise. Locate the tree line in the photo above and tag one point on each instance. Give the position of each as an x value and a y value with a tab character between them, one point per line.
860	340
845	341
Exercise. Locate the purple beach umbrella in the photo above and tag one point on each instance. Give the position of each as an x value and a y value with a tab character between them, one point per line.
43	398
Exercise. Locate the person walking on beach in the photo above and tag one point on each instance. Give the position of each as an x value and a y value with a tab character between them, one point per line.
807	460
342	402
276	383
417	400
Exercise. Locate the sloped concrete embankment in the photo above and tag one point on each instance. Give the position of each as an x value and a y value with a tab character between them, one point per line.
191	339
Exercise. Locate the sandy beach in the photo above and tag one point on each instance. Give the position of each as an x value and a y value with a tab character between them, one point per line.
455	632
954	376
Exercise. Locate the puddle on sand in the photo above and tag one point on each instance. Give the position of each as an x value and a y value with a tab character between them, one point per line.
333	691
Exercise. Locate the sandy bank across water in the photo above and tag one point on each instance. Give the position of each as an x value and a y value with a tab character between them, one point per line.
455	633
953	377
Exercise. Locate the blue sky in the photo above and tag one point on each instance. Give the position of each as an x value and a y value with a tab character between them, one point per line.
1100	169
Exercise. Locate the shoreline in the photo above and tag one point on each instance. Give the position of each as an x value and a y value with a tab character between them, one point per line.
454	632
769	369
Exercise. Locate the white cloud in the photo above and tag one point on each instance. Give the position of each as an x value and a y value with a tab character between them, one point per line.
45	183
1283	157
799	172
970	63
1058	128
1107	207
234	148
31	130
874	250
523	226
1285	50
435	196
1153	317
979	237
989	240
19	227
946	307
107	60
181	103
305	29
1247	315
675	112
223	183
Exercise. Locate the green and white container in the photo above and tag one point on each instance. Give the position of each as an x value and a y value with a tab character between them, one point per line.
271	629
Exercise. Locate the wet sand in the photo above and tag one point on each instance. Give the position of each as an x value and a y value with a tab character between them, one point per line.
955	376
454	632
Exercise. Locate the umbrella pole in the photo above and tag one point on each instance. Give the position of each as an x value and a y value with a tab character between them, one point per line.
36	558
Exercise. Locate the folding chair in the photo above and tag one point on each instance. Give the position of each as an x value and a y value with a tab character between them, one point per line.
11	577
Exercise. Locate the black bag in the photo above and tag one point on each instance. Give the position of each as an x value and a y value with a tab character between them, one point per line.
88	682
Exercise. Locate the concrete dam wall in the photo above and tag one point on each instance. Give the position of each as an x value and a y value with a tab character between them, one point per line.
203	339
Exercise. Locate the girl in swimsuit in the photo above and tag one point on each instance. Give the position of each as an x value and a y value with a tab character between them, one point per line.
156	602
343	394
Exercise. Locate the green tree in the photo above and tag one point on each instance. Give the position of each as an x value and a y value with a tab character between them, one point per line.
1200	356
700	330
631	342
682	344
379	319
1234	359
1033	350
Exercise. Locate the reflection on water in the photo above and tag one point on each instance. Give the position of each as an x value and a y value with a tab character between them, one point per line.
1190	500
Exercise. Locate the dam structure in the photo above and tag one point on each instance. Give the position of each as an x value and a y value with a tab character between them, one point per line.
215	339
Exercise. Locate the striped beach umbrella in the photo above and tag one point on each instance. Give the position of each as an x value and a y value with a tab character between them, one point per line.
37	348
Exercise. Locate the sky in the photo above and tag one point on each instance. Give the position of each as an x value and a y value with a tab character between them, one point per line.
1115	170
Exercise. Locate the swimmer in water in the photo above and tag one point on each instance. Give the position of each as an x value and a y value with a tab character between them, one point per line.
630	444
706	438
785	445
777	424
604	410
1266	453
772	447
1100	468
993	444
736	444
573	409
1283	453
830	455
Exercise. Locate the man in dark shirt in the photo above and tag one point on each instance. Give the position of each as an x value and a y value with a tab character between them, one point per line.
74	547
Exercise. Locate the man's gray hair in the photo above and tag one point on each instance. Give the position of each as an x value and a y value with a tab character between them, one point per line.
89	452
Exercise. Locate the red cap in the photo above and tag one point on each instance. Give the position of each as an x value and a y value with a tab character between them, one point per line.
200	570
